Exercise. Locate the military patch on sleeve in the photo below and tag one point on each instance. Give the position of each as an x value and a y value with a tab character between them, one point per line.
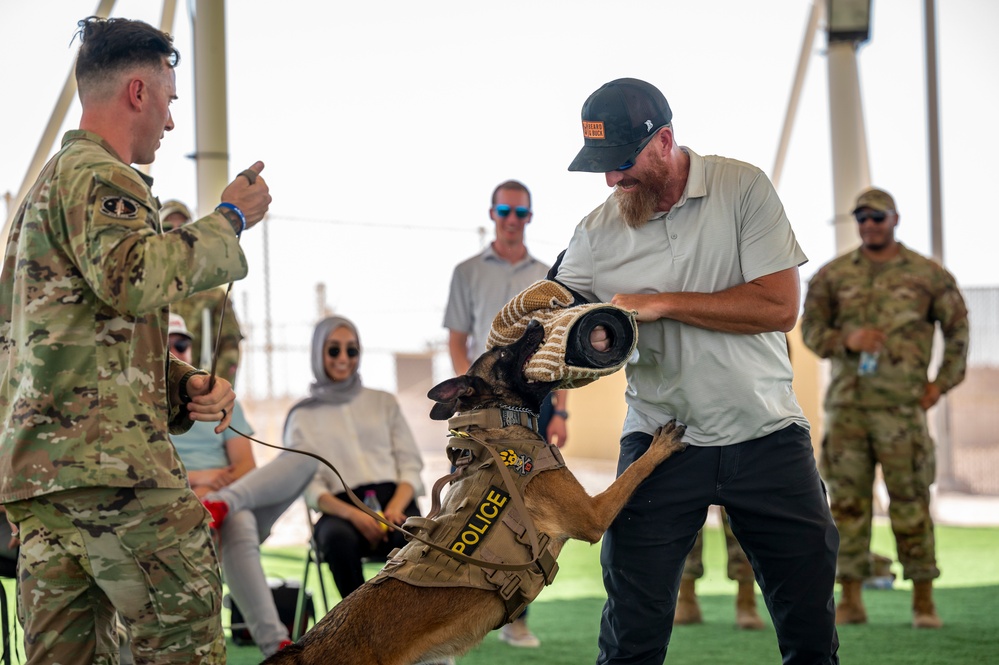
119	207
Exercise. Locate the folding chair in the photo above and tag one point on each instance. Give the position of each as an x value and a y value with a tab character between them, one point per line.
313	557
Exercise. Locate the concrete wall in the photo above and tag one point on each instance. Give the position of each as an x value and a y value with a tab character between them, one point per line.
596	414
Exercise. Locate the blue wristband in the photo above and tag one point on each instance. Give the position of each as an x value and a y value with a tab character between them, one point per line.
242	217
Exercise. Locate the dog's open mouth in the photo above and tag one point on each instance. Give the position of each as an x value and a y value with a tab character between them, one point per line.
527	361
531	342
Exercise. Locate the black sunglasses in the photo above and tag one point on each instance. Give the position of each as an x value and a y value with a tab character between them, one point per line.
503	210
876	217
180	345
334	352
641	146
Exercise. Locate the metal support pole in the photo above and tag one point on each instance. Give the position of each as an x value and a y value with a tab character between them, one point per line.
167	17
933	133
268	327
851	170
946	478
49	136
799	82
210	106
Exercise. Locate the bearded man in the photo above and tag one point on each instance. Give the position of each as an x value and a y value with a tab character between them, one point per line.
700	248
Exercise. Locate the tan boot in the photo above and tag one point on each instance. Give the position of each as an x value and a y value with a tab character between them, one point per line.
924	613
687	610
851	607
745	608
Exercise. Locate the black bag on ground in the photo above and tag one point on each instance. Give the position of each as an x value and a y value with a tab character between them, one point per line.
285	599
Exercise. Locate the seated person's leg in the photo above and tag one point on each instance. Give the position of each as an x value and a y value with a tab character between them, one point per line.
342	547
269	489
244	574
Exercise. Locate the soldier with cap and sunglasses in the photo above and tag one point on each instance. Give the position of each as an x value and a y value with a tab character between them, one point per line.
701	249
872	313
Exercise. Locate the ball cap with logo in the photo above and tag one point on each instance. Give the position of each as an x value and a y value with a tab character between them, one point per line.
875	199
617	118
171	207
177	326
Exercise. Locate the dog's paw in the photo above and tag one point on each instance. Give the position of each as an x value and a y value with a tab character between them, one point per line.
667	439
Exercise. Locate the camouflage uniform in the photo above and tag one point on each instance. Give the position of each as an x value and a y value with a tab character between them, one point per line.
191	309
876	418
87	397
739	568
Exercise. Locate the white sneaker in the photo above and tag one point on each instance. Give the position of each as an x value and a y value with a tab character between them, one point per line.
517	634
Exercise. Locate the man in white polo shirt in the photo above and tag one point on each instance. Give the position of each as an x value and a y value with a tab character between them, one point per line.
701	249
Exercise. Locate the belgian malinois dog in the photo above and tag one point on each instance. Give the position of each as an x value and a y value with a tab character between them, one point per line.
396	623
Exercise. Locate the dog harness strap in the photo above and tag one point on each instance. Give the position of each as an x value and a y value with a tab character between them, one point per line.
435	493
486	526
494	418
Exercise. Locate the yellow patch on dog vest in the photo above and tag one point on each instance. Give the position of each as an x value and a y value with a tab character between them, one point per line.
487	514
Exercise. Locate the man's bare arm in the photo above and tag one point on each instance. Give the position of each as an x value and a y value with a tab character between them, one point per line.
766	304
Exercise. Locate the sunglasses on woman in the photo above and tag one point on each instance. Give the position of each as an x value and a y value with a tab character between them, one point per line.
503	211
180	345
334	352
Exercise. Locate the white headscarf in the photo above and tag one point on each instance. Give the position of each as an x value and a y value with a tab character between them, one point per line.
325	390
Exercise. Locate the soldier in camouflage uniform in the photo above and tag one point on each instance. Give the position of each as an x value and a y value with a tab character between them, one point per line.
739	569
88	392
174	215
872	313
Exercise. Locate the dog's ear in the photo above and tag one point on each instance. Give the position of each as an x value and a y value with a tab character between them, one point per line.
450	390
446	395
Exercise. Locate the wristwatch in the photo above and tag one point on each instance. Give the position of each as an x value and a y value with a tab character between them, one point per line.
561	413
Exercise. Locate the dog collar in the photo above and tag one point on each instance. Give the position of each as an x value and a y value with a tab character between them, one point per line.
495	418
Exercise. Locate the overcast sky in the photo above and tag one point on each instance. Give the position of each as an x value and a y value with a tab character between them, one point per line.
385	126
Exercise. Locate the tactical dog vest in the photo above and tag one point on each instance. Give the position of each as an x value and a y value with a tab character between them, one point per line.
483	517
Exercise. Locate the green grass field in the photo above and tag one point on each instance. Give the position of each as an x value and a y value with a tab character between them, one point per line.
566	616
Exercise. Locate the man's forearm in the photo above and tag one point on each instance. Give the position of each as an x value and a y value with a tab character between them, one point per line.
767	304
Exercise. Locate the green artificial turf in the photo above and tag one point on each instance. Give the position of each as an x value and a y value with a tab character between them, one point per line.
566	616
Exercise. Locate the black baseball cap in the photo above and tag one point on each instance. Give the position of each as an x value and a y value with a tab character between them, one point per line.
617	118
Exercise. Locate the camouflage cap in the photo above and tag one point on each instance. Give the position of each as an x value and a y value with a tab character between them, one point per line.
177	326
619	119
875	199
171	207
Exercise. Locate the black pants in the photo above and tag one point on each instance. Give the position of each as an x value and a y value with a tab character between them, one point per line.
779	512
343	547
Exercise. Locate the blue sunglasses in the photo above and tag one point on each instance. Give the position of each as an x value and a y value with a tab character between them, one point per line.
503	210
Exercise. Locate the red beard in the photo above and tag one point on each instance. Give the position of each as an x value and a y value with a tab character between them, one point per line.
638	205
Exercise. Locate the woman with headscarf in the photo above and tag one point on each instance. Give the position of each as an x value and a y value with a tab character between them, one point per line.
362	433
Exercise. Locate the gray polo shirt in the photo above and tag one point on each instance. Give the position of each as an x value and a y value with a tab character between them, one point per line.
480	287
728	228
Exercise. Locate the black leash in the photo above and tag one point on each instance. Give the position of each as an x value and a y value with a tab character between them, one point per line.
507	479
